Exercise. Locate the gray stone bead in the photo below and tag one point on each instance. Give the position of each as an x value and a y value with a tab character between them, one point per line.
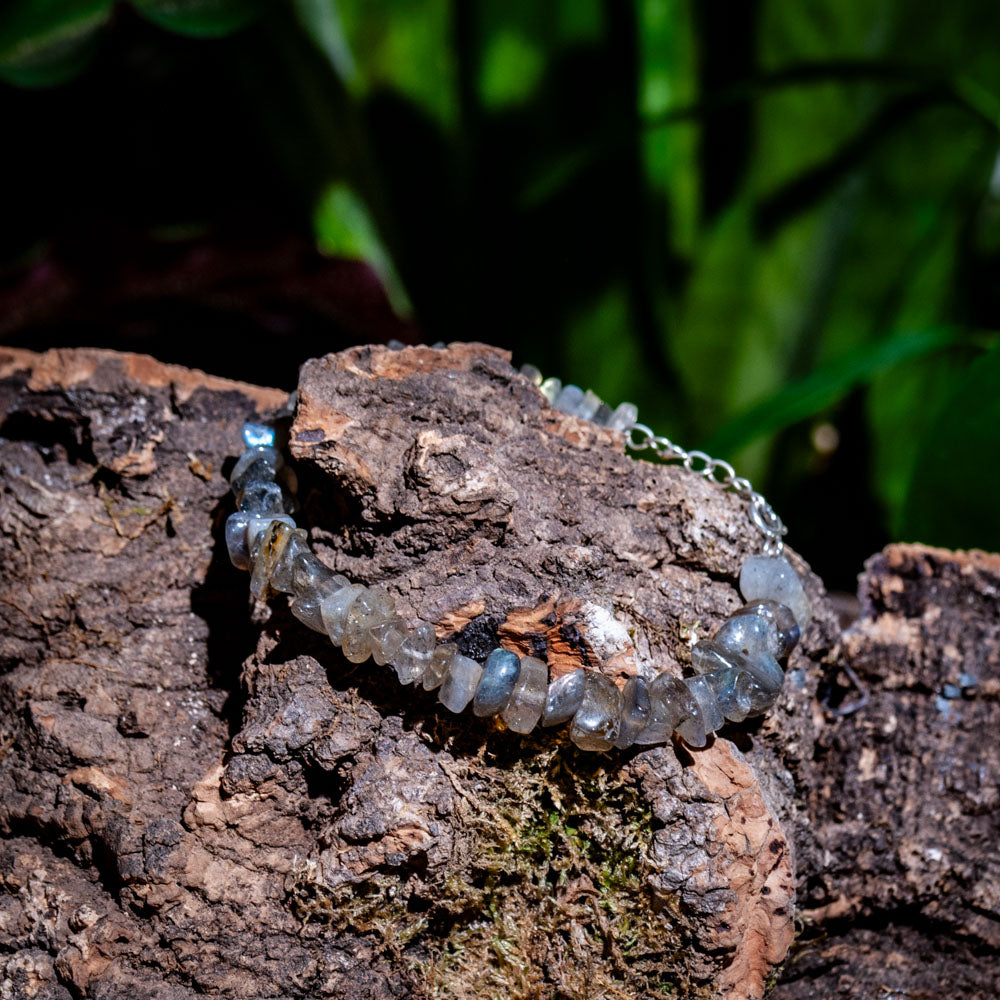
266	552
708	656
437	669
527	700
531	373
787	627
635	711
372	606
257	464
750	635
762	697
334	609
257	524
297	548
236	539
732	690
312	579
500	673
307	610
670	705
387	637
258	435
460	683
563	697
262	496
711	714
602	415
597	721
569	399
624	417
588	405
551	388
771	578
414	654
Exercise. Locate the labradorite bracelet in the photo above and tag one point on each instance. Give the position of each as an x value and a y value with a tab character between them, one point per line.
738	672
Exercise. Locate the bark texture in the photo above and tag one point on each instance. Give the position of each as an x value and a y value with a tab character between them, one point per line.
202	797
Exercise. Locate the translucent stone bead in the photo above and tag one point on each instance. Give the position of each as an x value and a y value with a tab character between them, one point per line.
500	672
312	579
387	637
262	497
372	606
531	373
257	463
751	635
307	610
708	656
588	405
732	691
711	714
414	654
787	628
281	578
551	388
670	704
257	523
624	417
236	539
437	669
460	683
334	609
761	696
771	578
258	435
528	697
569	399
602	415
597	721
563	697
635	711
265	554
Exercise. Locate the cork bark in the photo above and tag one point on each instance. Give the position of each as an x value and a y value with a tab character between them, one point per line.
201	796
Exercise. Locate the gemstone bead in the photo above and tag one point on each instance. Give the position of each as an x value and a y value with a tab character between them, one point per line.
670	702
297	548
414	654
437	669
708	656
551	388
563	697
257	523
307	610
460	683
500	672
711	714
312	578
602	415
569	399
266	553
588	405
635	711
256	463
771	578
334	609
528	697
597	721
624	417
732	691
372	606
751	635
387	637
258	435
531	373
787	627
236	539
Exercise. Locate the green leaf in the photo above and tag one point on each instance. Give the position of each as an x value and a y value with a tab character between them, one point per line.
201	18
46	42
321	21
345	228
953	494
812	394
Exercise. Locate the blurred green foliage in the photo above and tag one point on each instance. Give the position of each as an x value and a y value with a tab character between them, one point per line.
774	225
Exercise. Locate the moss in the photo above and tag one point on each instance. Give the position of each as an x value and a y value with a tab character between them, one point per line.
545	896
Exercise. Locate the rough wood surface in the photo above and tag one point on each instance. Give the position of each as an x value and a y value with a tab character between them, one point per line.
202	797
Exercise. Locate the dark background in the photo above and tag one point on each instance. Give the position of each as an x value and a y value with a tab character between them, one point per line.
775	226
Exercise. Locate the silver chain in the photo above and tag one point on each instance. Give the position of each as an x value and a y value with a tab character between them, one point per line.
718	471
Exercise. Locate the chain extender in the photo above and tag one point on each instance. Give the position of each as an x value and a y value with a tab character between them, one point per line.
718	471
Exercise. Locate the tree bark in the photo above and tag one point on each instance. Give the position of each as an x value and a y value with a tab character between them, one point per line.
202	796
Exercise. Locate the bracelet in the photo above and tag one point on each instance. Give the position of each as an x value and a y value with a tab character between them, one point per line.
738	671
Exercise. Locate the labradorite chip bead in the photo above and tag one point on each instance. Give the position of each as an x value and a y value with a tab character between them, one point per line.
500	673
787	627
387	637
437	669
670	704
263	497
307	610
563	697
751	635
334	608
258	464
460	683
569	399
597	721
236	539
772	578
266	553
371	606
635	711
297	548
527	700
414	654
711	713
258	435
732	691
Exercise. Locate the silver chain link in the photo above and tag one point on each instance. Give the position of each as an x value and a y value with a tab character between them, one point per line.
718	471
